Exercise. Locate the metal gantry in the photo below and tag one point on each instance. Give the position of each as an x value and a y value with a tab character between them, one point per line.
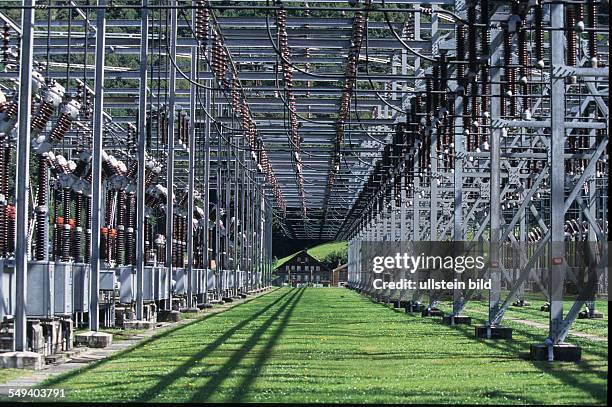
503	145
144	201
166	137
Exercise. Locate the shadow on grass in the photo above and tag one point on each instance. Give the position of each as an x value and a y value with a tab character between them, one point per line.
62	377
572	379
206	391
264	355
180	371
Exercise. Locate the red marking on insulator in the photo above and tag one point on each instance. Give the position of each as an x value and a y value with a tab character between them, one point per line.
11	215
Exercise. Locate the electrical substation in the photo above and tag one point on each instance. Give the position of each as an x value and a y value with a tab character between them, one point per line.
148	148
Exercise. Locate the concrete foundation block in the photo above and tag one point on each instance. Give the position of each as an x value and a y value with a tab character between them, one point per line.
93	339
136	324
562	352
400	304
432	312
595	315
22	360
150	312
456	320
497	332
67	334
168	316
36	336
413	307
57	358
52	333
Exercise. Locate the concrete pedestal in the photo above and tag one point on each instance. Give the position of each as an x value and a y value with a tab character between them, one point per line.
56	359
432	312
456	320
94	339
67	334
52	331
168	316
400	304
149	312
36	336
562	352
135	324
497	332
595	315
413	307
22	360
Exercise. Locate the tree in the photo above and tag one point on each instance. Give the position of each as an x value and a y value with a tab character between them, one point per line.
335	258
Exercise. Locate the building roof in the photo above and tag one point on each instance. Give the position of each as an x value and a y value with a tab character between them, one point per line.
300	253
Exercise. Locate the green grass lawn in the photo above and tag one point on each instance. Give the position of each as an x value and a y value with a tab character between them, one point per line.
597	327
10	374
332	345
532	312
318	252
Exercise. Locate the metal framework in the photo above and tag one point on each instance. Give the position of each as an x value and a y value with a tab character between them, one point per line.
164	137
505	141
